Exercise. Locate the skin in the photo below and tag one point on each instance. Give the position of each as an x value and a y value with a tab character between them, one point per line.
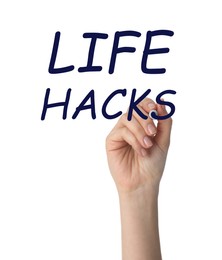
136	152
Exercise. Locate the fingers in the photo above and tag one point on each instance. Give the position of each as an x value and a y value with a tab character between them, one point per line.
137	132
141	134
146	106
137	129
122	137
163	129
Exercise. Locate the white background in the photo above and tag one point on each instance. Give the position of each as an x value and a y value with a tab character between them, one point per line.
57	199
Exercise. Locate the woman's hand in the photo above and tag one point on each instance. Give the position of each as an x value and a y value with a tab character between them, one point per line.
137	149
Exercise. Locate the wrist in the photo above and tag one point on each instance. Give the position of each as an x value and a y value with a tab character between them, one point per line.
147	192
143	201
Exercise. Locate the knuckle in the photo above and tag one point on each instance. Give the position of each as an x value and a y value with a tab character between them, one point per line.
123	118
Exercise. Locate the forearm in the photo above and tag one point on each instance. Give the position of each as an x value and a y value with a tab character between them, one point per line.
139	219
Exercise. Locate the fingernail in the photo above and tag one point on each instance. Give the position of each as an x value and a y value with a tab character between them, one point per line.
151	105
151	129
143	152
147	141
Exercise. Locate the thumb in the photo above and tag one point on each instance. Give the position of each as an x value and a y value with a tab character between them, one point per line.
163	128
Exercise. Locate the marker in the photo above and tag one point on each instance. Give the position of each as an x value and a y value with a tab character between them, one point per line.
153	112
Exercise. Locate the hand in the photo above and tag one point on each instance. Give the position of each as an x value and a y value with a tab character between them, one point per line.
137	149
